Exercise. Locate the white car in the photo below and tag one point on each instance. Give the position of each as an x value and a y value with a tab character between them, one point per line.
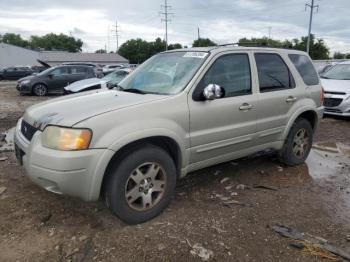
109	81
110	68
336	84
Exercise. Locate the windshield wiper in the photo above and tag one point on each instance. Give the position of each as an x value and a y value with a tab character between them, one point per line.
131	90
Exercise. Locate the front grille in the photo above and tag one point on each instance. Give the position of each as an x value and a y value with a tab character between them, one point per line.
28	130
334	93
331	102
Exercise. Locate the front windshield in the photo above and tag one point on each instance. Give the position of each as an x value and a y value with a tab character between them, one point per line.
339	72
165	73
115	77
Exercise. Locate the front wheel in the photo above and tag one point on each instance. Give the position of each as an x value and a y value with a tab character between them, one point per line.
39	90
298	143
141	185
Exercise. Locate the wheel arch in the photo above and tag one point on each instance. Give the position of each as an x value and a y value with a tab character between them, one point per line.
307	113
167	143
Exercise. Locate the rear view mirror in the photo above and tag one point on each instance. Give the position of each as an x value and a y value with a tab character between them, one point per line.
213	91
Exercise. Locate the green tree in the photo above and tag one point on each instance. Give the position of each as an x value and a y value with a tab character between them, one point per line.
135	50
100	51
14	39
174	46
56	42
339	55
347	56
203	42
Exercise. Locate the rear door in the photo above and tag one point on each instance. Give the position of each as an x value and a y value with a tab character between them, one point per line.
219	128
278	95
77	73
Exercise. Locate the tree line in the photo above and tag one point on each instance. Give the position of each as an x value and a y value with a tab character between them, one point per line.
138	50
47	42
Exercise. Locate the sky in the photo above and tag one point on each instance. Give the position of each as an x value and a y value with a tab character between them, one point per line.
220	20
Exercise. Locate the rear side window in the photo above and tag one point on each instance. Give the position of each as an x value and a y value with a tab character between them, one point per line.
78	70
305	68
232	72
273	73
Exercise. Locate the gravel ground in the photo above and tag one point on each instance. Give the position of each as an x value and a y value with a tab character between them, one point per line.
222	213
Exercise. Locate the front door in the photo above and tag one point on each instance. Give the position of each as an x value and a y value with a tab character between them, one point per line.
220	128
58	78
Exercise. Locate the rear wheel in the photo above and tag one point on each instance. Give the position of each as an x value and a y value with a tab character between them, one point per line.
40	90
141	185
298	143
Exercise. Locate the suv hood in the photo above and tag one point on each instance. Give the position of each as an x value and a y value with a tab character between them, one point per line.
82	84
334	85
69	110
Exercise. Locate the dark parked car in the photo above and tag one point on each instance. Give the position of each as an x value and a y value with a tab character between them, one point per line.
15	72
54	79
97	68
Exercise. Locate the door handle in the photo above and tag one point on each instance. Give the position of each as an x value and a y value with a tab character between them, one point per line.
245	107
291	99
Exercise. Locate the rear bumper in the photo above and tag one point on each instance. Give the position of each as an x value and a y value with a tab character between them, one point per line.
74	173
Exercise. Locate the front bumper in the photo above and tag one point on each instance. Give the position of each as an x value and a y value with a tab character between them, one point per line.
24	88
74	173
337	105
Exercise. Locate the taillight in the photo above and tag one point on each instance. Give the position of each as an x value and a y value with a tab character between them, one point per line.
322	95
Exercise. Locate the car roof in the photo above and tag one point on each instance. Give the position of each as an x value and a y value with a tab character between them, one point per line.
222	48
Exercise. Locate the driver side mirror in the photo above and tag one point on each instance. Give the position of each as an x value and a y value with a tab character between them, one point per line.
213	91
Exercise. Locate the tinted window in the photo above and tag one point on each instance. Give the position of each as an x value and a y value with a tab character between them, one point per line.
60	71
305	68
232	72
273	72
78	70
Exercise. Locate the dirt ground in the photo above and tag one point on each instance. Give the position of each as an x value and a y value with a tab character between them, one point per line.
212	210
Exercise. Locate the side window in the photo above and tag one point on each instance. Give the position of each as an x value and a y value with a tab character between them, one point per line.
305	68
232	72
60	71
78	70
273	72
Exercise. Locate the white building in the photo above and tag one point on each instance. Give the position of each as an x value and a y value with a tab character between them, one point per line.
11	55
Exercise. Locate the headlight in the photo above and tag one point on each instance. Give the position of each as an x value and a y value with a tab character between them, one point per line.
61	138
25	82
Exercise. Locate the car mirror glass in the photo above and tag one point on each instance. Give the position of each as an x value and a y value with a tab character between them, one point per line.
213	91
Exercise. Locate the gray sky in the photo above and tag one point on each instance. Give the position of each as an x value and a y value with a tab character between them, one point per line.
222	21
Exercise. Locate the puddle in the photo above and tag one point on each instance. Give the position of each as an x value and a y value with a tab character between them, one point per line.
7	144
328	160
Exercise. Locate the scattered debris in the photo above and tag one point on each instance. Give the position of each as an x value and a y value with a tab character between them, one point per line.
233	202
225	179
225	198
2	189
3	158
314	245
181	193
2	137
234	194
83	238
46	218
228	187
241	187
265	187
280	169
161	246
203	253
7	144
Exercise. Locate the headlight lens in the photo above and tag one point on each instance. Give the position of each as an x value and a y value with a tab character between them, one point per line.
25	82
61	138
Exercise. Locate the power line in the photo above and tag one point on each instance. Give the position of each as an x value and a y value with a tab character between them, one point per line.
312	6
165	13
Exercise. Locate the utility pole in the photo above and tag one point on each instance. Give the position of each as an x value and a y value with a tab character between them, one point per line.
116	30
165	13
198	34
268	40
108	40
312	6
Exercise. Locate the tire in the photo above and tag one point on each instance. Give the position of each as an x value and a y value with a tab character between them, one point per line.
297	146
40	90
133	192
